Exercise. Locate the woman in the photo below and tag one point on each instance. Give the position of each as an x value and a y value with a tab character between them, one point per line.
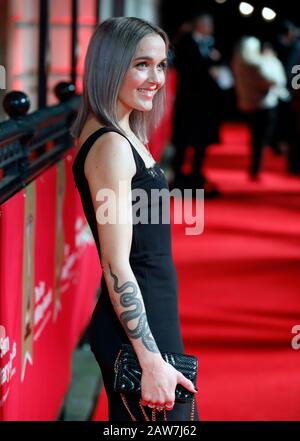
260	83
123	94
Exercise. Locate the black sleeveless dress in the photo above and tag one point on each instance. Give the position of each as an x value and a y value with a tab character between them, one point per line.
152	264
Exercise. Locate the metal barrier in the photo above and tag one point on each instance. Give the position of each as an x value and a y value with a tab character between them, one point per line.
29	144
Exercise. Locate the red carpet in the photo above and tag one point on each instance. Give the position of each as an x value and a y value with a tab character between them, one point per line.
239	289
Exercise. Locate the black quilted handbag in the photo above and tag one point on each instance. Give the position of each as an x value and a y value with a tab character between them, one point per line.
128	375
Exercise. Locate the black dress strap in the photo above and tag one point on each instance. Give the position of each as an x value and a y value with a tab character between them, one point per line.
88	143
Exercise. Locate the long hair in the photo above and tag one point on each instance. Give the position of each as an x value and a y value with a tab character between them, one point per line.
109	55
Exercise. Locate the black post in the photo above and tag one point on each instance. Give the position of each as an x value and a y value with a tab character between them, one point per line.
97	11
118	8
43	50
74	30
3	51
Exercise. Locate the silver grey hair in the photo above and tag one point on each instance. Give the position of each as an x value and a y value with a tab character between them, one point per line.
109	55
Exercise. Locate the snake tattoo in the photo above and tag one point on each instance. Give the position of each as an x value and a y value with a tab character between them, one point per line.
128	292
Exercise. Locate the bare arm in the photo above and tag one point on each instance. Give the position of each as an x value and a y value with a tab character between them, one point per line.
109	163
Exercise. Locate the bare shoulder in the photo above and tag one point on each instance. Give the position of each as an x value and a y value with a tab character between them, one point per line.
110	154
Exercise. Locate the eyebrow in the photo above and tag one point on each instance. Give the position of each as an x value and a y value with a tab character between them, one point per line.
148	58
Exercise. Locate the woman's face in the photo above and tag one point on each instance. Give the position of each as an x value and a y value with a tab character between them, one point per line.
145	76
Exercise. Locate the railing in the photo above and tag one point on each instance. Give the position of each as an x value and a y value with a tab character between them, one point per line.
29	144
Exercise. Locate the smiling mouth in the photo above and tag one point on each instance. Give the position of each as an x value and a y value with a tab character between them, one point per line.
147	92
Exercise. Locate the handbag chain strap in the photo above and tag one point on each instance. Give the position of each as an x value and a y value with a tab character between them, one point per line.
153	418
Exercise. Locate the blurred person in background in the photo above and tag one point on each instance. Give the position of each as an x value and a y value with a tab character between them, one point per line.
260	82
288	49
196	115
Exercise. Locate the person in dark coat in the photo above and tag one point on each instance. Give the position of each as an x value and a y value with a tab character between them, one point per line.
196	115
288	49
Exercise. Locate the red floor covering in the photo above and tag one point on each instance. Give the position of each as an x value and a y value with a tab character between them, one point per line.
239	290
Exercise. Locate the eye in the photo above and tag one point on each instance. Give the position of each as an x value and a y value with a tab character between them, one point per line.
163	65
142	64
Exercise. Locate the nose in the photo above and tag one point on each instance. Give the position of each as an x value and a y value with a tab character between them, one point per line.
154	76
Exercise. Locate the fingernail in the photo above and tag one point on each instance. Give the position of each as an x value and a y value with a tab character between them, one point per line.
196	389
